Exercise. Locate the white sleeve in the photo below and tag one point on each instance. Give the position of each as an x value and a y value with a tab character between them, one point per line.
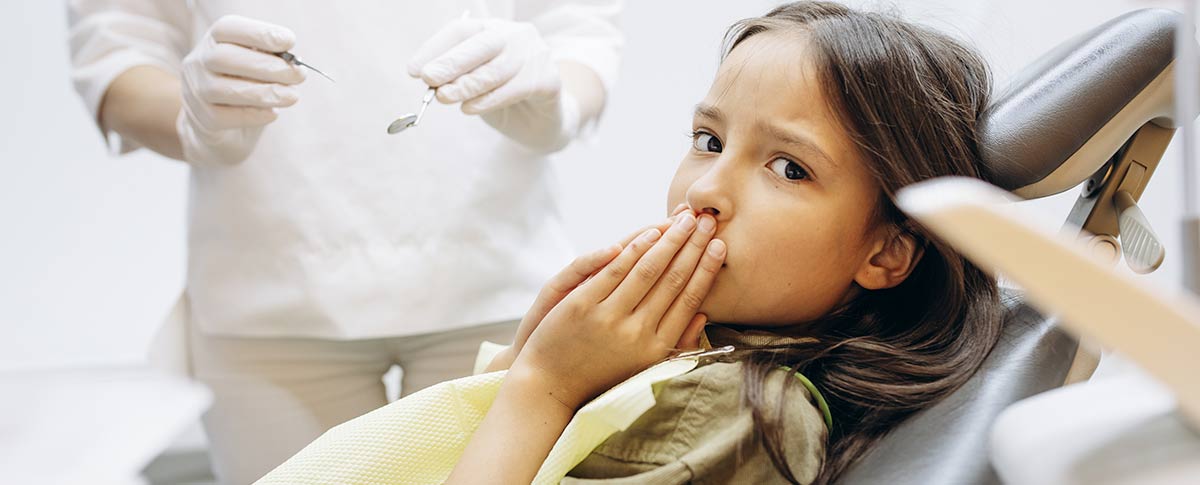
108	37
581	31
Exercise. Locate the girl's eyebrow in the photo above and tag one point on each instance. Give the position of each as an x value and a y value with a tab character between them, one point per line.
785	136
797	139
709	111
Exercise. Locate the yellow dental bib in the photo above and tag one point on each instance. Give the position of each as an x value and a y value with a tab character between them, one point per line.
418	439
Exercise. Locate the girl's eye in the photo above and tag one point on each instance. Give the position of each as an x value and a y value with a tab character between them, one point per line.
705	142
788	169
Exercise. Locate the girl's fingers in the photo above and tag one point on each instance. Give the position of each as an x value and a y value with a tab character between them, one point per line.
678	209
579	269
662	227
602	284
561	284
679	272
690	340
683	310
633	289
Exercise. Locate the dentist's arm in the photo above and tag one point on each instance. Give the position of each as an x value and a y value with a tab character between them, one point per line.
228	90
125	58
206	106
141	105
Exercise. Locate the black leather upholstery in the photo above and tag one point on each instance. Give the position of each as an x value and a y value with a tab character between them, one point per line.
1055	105
1049	110
947	444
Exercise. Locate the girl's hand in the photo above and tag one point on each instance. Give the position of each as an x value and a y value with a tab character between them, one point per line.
591	333
630	315
559	286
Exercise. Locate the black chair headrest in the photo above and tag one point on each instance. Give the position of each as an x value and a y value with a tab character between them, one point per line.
1065	115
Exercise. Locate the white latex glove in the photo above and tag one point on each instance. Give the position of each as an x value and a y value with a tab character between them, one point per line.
503	71
231	87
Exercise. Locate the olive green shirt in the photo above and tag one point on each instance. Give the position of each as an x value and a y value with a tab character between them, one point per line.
699	431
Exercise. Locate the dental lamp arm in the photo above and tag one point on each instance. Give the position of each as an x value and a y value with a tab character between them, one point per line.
1157	329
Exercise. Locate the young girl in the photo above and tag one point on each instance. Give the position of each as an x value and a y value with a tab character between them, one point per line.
787	246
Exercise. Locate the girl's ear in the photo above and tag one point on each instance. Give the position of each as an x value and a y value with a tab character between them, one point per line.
892	258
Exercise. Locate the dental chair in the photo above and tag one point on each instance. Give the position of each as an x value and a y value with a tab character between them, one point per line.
1097	111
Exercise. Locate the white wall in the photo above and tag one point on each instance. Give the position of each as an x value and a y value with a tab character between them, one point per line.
91	247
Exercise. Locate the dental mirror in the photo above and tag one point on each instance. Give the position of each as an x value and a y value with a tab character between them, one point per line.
411	120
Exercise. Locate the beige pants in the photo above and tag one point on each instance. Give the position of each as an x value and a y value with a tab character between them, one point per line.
272	396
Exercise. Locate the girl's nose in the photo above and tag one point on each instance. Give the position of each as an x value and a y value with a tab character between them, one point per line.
711	194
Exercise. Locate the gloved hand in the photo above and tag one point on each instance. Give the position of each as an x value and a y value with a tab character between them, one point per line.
503	71
231	87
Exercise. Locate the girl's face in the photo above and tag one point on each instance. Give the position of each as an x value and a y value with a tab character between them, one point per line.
792	196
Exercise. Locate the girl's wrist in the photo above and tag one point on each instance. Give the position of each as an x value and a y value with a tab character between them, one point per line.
526	406
532	384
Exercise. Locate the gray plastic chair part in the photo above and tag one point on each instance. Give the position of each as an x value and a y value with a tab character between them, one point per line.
1032	128
1054	106
947	444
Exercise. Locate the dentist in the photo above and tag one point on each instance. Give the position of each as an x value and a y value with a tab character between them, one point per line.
321	251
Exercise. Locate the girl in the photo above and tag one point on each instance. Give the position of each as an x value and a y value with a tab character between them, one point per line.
789	243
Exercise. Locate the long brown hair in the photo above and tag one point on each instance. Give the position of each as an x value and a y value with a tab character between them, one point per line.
911	99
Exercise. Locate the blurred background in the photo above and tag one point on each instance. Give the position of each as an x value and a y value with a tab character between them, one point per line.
92	245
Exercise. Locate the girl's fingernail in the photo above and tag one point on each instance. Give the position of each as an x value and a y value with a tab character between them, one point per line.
686	221
707	223
716	248
650	235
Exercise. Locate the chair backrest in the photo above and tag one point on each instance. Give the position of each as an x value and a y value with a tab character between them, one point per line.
947	444
1057	123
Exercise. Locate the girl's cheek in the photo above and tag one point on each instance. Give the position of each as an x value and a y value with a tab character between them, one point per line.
677	193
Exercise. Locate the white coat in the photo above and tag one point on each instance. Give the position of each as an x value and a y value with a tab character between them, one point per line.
332	228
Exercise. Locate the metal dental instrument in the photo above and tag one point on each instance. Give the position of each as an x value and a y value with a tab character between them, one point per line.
702	353
411	120
292	59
